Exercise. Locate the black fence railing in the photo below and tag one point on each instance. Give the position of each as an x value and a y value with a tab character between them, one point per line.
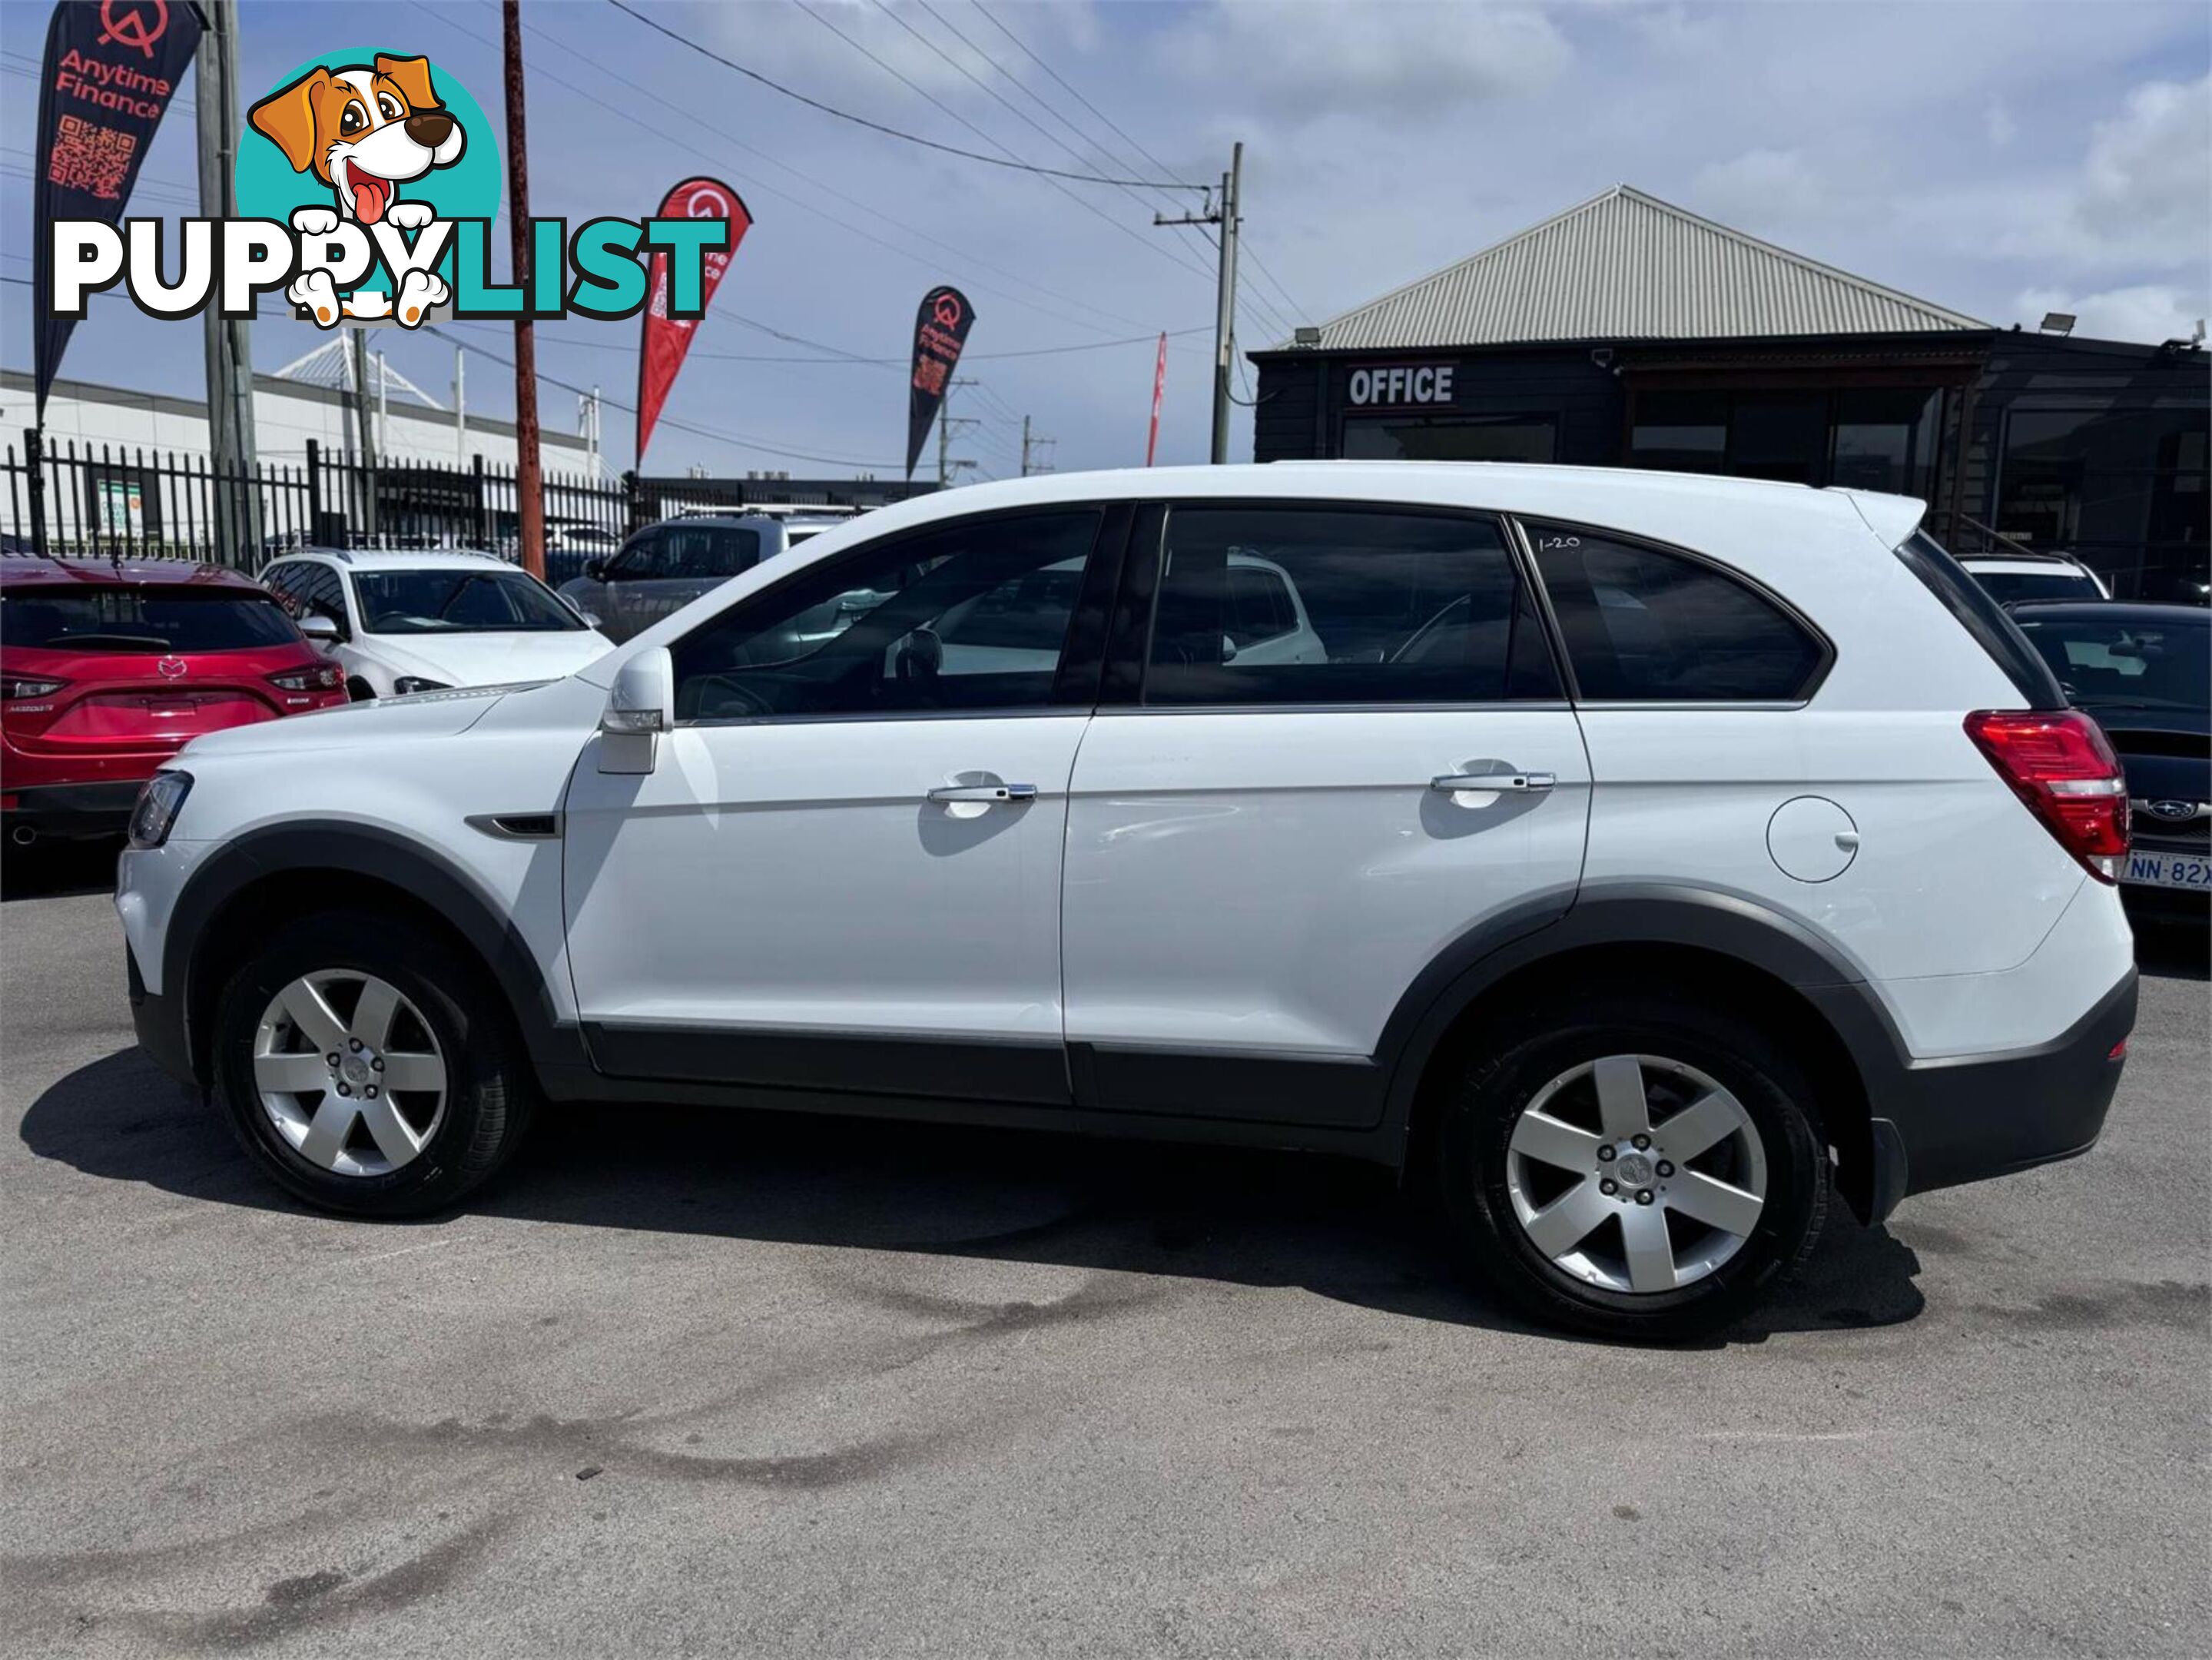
109	500
106	500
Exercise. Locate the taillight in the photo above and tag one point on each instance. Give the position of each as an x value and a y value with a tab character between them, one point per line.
2060	764
324	677
14	686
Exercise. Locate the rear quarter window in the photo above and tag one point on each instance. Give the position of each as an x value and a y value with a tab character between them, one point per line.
1984	618
1644	624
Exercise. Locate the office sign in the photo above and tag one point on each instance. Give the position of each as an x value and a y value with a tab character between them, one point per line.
1400	385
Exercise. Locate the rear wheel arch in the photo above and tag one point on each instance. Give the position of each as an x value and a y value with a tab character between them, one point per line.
1701	946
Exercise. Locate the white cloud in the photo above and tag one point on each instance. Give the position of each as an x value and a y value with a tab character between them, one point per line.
2149	312
1997	122
1397	62
1759	187
2149	174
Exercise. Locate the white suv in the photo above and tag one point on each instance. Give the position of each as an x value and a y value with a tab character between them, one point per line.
1641	858
404	623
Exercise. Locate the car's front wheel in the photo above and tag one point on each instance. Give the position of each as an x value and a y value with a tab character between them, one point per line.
1633	1165
367	1067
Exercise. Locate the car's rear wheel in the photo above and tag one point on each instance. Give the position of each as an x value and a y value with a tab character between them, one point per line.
1635	1167
367	1067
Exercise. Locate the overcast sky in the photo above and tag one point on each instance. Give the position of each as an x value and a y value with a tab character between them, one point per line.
2000	158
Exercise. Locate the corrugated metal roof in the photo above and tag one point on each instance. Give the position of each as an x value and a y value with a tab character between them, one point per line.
1624	265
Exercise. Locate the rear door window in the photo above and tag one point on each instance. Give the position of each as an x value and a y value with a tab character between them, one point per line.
1300	604
136	619
1642	624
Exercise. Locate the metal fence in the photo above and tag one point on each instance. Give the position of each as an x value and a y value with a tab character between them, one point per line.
109	500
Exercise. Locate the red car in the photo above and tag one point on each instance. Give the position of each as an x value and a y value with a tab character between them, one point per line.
108	667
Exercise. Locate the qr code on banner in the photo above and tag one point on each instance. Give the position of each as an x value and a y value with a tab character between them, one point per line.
929	374
87	157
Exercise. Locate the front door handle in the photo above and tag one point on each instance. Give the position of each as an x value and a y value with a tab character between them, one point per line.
1509	782
985	792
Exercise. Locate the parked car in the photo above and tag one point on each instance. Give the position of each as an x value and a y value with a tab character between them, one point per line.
665	567
397	623
108	666
2017	575
1722	846
2145	673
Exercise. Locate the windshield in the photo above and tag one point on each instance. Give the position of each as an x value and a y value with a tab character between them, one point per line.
2109	664
150	619
2010	588
442	601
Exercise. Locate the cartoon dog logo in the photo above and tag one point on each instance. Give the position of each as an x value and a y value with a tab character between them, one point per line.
364	130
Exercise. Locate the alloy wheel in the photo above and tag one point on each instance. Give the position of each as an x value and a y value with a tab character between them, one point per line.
1636	1173
349	1072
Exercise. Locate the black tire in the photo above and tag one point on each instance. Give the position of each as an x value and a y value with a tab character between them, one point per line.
1518	1055
490	1093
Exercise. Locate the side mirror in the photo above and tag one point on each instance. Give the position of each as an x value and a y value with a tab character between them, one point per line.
320	630
591	618
640	706
1228	649
595	570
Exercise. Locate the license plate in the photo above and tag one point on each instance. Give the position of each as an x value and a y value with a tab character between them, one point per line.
2168	870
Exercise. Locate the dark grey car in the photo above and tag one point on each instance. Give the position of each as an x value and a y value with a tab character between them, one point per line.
667	566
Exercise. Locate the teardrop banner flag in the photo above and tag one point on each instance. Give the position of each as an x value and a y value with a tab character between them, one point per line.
940	329
1159	385
669	328
111	71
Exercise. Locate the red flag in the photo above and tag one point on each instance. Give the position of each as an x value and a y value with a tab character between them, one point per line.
661	352
1159	385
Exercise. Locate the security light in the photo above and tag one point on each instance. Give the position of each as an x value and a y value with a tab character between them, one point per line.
1306	336
2056	322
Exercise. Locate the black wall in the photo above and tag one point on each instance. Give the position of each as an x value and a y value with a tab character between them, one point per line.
1302	397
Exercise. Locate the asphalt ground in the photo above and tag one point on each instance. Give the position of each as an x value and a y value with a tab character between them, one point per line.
695	1383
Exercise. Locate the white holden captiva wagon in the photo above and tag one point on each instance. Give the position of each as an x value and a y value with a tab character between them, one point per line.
1633	860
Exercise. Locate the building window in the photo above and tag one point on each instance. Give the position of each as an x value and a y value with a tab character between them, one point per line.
2109	486
1871	438
1450	437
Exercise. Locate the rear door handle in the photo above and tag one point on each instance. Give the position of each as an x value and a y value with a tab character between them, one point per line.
1521	782
985	792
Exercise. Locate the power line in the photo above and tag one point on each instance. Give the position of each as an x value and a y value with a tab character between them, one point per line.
1188	236
843	359
977	81
800	202
1090	208
878	127
737	441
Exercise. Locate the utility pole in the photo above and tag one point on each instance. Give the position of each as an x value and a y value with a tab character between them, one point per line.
383	407
460	407
229	346
946	464
528	479
1030	444
1224	216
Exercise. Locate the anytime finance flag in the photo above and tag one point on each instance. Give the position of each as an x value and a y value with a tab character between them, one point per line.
666	339
940	329
111	69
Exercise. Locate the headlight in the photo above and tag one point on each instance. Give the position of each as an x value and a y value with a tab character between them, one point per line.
407	685
159	802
